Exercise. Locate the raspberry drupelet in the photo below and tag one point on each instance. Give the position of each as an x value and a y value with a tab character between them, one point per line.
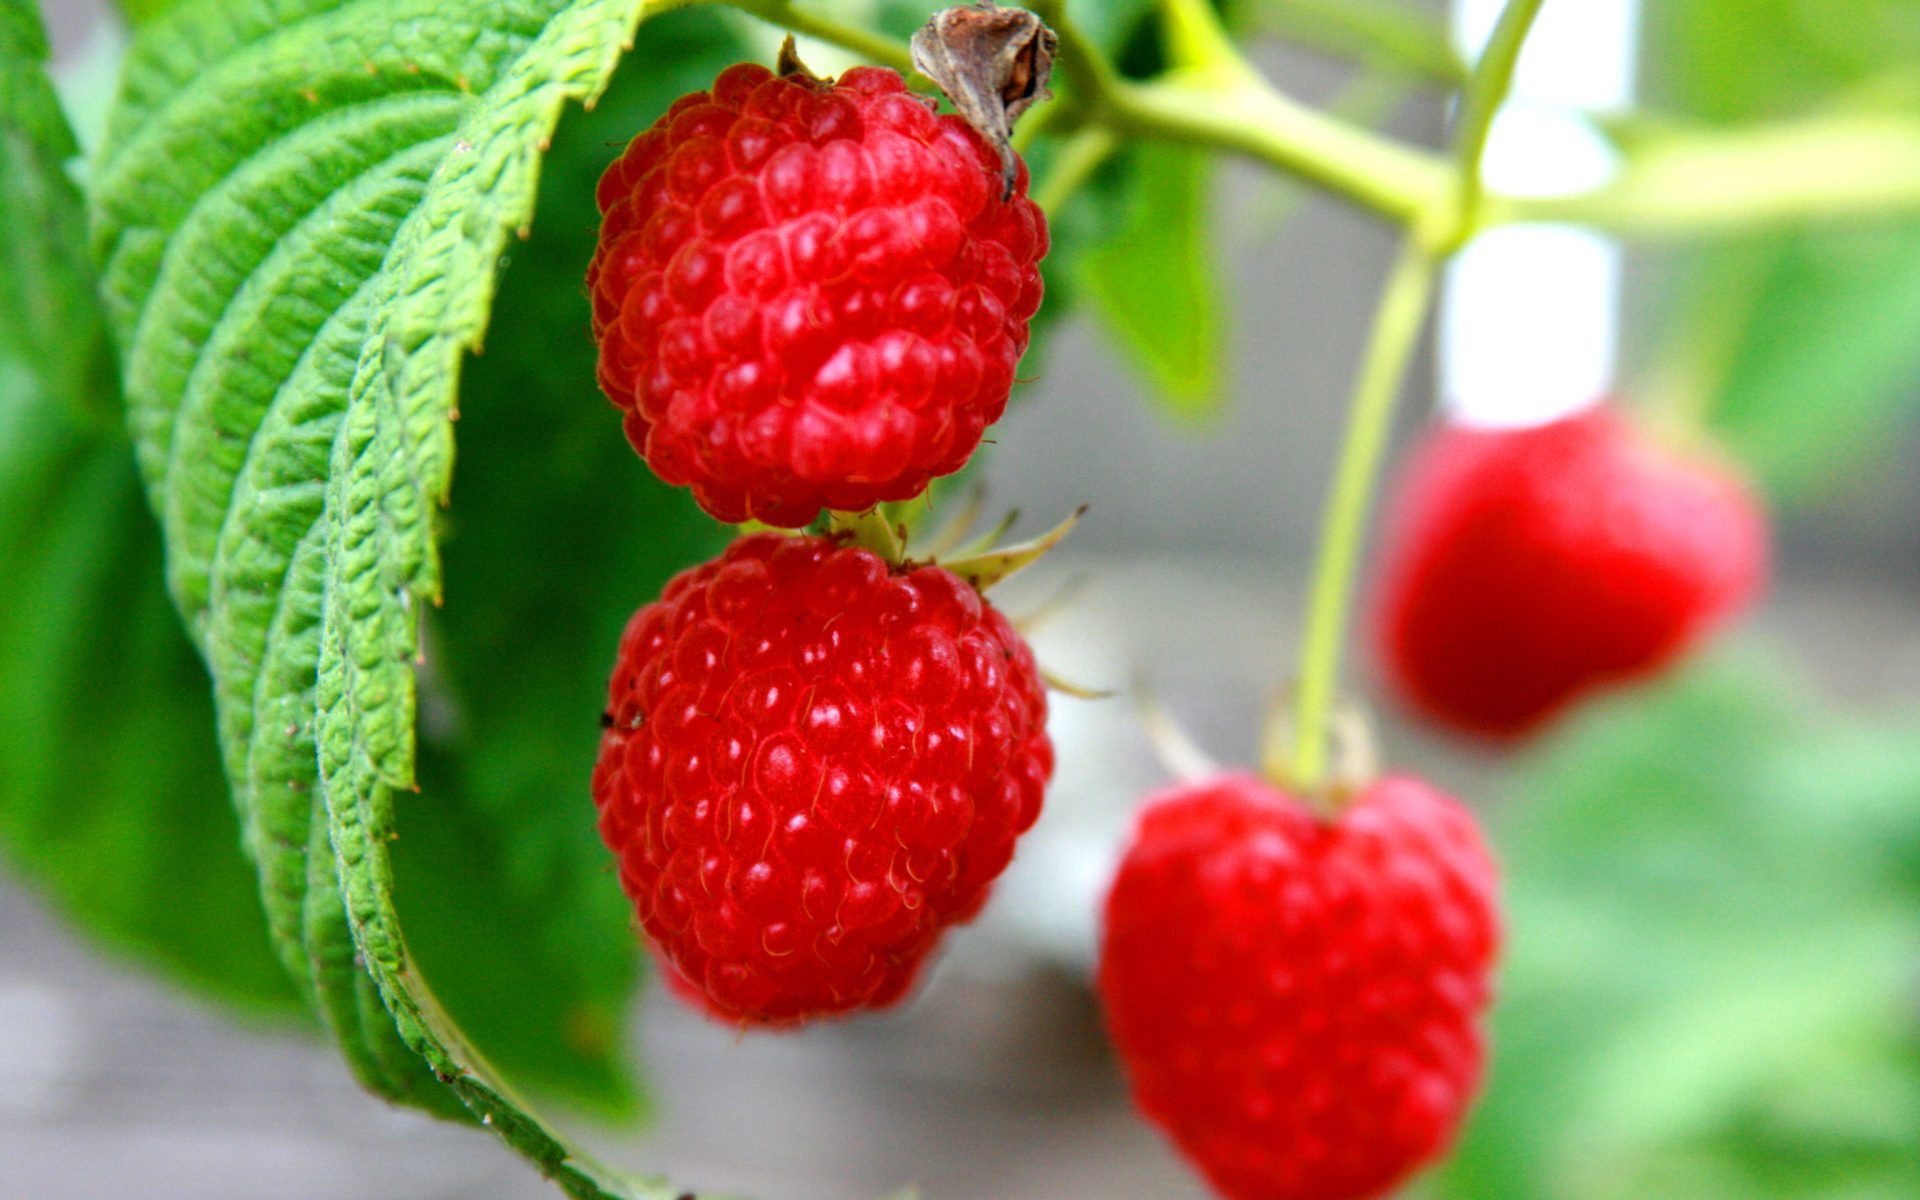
810	295
813	765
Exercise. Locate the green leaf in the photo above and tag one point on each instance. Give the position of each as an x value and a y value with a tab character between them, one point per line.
520	657
1155	284
1825	364
304	210
110	791
111	796
49	317
1797	344
1713	910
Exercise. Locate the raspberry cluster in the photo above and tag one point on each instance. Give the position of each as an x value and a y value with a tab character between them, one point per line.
810	294
1298	1001
814	763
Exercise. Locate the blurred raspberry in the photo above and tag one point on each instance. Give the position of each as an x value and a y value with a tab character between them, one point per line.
813	766
1298	1002
1528	567
808	294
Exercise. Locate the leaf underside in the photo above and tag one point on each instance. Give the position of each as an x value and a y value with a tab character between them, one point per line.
302	210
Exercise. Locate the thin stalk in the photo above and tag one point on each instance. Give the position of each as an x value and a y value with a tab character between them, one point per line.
1485	91
1079	157
1229	106
877	47
1396	331
1394	35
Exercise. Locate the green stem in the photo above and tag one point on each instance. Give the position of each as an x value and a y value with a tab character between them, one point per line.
870	530
1396	331
1485	90
1719	181
1830	165
1197	42
1218	100
1227	105
1392	35
1079	157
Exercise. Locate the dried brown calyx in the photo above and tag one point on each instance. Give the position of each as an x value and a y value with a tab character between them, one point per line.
993	63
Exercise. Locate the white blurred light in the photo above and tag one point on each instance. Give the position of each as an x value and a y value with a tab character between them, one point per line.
1579	53
1528	330
1535	151
1529	319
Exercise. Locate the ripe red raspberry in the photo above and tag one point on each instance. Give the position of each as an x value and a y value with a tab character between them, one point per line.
1298	1002
1525	568
810	295
813	765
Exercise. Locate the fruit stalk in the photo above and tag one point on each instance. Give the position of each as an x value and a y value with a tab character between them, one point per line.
874	47
1396	330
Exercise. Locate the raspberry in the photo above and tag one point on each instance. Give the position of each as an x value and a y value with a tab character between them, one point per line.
1298	1002
810	295
813	765
1526	568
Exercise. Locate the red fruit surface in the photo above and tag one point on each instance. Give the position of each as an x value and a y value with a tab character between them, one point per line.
1525	568
813	765
1298	1003
810	295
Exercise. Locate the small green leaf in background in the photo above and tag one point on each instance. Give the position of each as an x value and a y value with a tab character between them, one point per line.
50	327
1713	900
1829	357
1799	345
1129	31
1155	283
111	796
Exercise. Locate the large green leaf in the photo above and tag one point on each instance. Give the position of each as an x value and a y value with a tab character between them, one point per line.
110	789
303	209
521	656
1714	915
